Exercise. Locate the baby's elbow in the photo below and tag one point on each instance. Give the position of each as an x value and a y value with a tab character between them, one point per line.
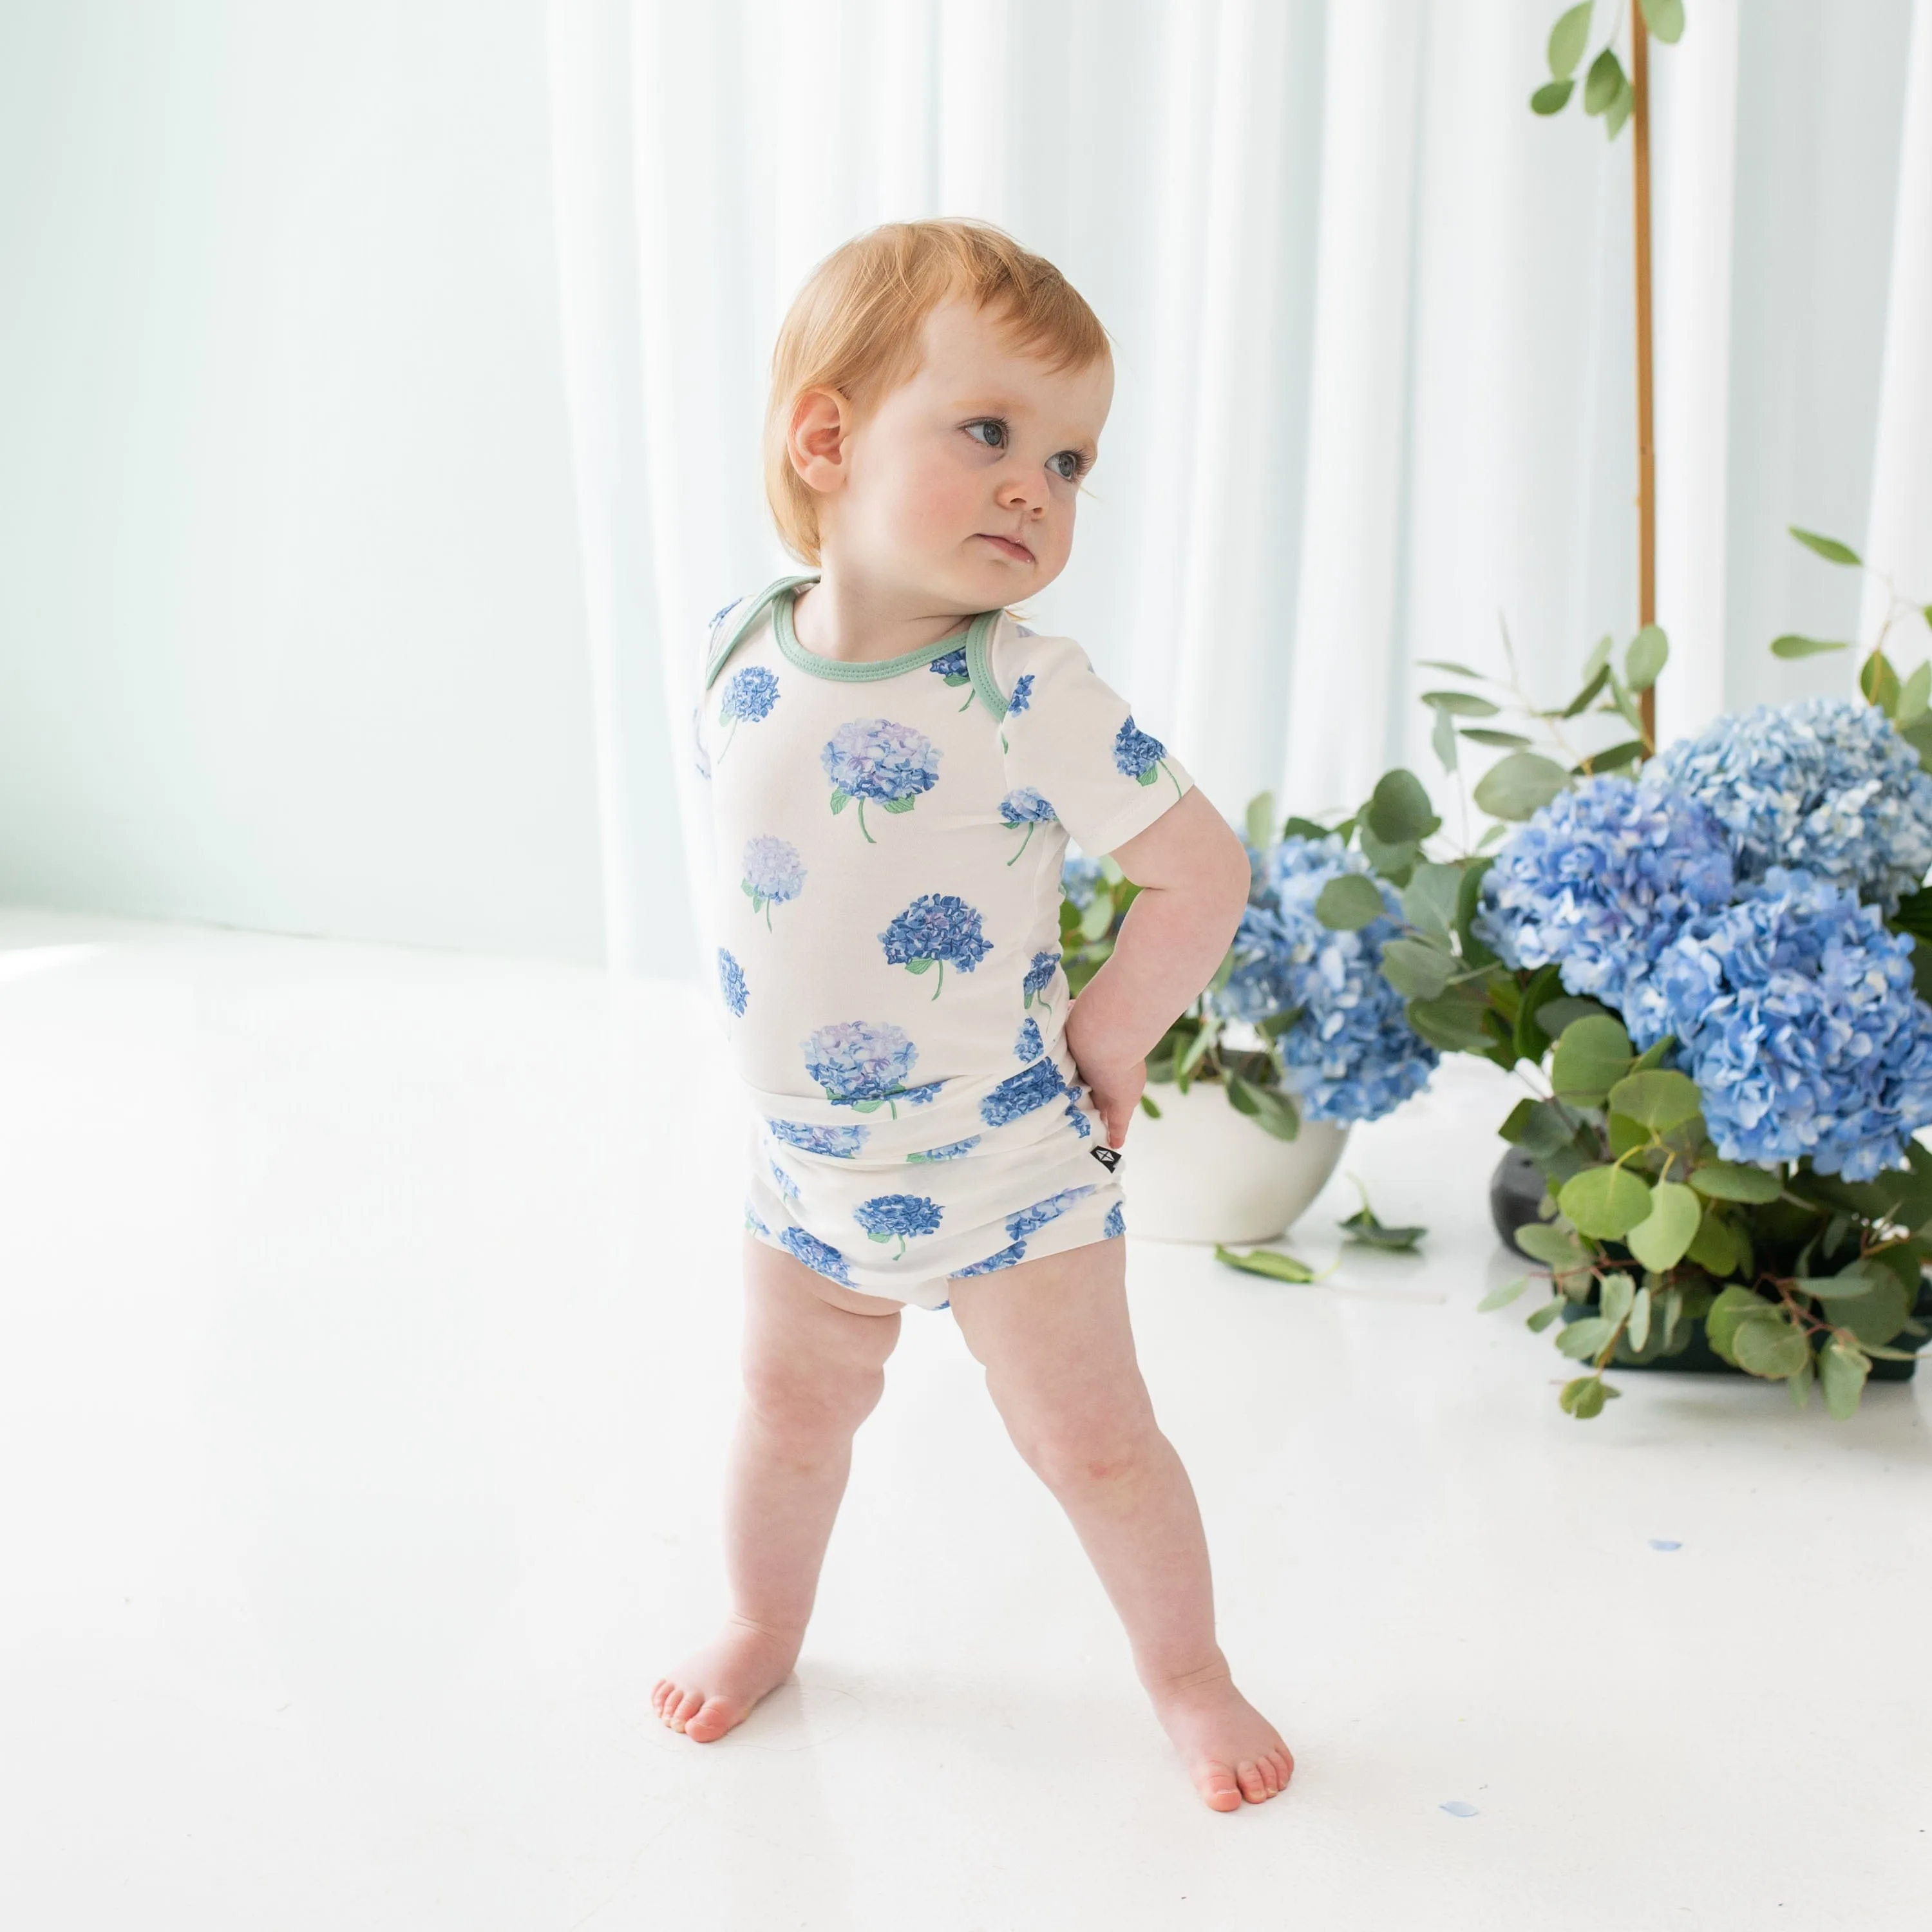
1232	876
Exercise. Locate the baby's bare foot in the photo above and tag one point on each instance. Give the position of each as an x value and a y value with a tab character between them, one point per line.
1230	1750
714	1688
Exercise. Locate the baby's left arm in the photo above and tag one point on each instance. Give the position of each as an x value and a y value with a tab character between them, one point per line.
1192	871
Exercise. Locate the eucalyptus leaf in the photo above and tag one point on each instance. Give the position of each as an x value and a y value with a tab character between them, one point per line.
1446	663
1544	1315
1605	1203
1416	969
1768	1345
1567	39
1841	1376
1508	741
1463	704
1657	1100
1552	97
1502	1296
1559	1014
1348	902
1584	1397
1584	698
1603	83
1879	682
1793	646
1731	1181
1649	652
1665	19
1399	810
1442	740
1615	1296
1260	819
1582	1338
1554	1247
1592	1055
1618	111
1517	787
1269	1261
1428	900
1829	548
1453	1021
1734	1305
1915	695
1600	656
1638	1333
1659	1240
1614	759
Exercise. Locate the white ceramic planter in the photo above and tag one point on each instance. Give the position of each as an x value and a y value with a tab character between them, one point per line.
1202	1172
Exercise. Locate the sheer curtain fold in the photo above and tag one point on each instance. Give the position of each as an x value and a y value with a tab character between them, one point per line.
1372	329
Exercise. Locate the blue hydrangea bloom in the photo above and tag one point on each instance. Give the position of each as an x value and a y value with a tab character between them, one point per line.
1794	1011
887	1217
1022	690
1115	1224
1004	1258
937	928
840	1143
1039	977
773	873
951	665
1029	1045
875	758
1076	1119
863	1065
749	695
952	1151
787	1186
1827	785
1601	879
1030	1220
731	983
721	616
1137	753
820	1256
1022	1092
1024	806
1351	1054
1080	880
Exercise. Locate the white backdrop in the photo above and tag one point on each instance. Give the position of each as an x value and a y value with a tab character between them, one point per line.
1373	335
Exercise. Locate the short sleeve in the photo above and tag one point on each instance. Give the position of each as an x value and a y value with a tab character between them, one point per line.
1071	738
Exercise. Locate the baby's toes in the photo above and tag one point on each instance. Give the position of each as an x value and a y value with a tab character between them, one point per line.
1216	1784
1249	1776
712	1719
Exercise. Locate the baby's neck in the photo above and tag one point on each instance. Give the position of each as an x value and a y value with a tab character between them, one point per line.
845	616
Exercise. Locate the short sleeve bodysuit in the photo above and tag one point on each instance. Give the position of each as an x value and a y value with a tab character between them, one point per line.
888	840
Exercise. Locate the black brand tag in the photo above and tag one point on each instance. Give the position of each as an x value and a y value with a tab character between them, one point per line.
1109	1157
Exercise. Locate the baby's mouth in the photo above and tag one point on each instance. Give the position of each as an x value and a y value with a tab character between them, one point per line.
1008	546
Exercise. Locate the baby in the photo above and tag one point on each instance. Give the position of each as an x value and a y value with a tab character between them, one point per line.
896	766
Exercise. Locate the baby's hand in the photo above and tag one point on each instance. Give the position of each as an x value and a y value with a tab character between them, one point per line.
1115	1083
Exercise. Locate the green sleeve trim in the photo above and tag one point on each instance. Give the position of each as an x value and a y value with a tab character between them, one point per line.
752	612
979	668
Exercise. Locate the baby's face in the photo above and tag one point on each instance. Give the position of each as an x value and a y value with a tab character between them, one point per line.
963	482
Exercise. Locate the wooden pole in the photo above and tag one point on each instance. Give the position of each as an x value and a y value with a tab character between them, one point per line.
1646	454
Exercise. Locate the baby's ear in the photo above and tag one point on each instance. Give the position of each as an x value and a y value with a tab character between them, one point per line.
815	440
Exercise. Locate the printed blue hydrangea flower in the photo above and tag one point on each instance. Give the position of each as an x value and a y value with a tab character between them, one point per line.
820	1256
1024	806
1140	756
863	1065
749	695
731	983
1076	1119
1020	1093
1022	695
951	665
753	1226
1028	1046
1828	785
1079	881
722	615
1350	1054
887	1217
773	873
839	1143
1031	1220
1601	879
1039	977
1004	1258
787	1186
952	1151
1794	1011
937	929
875	758
1115	1224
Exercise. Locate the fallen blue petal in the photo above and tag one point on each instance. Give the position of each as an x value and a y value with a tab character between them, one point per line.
1461	1808
1664	1542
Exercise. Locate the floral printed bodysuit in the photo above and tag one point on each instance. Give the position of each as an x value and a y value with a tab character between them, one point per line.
887	842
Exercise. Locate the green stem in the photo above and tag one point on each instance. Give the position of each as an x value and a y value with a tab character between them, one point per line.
869	839
1023	842
939	978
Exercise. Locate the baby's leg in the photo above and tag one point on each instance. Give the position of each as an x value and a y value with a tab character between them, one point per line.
1059	1355
814	1370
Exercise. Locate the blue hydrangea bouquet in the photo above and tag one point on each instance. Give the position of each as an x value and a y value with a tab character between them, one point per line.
1298	1021
1706	966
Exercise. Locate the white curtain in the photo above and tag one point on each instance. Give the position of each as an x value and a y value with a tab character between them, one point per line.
1373	335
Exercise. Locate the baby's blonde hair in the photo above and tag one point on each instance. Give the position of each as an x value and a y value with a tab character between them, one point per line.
855	327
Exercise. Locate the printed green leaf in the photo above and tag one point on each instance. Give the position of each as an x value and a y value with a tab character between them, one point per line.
1829	548
1793	646
1567	39
840	800
1348	903
1657	1100
1661	1239
1269	1261
1517	787
1605	1203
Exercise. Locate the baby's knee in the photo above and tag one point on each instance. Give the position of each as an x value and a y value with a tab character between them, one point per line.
1086	1451
803	1401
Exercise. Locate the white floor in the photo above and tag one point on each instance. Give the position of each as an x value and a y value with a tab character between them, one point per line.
368	1360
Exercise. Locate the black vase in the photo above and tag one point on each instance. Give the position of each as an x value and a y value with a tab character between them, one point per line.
1515	1192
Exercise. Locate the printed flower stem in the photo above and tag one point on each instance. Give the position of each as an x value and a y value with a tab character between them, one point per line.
869	839
1023	842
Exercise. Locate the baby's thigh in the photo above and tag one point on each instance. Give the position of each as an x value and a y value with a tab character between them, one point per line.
803	1352
1057	1344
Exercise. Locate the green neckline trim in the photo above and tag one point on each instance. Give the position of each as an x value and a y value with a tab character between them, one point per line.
979	666
842	671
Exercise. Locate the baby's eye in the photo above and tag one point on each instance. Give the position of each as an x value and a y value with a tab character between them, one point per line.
996	431
1073	465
